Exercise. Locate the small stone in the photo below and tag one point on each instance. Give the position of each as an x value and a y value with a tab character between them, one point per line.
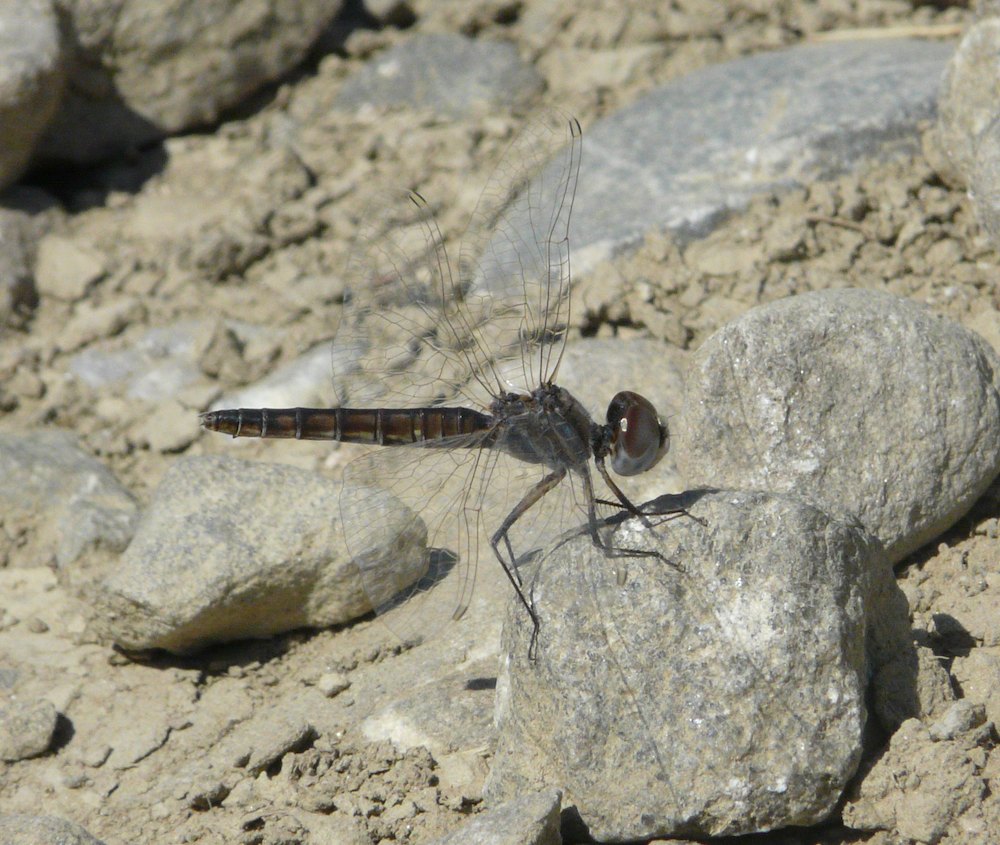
962	716
32	77
530	819
65	268
26	729
213	560
447	74
18	829
332	683
970	90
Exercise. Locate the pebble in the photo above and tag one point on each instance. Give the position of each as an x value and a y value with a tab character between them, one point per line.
332	684
165	66
26	728
970	89
530	819
449	75
22	829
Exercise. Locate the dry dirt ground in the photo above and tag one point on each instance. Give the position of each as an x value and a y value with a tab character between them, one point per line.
180	233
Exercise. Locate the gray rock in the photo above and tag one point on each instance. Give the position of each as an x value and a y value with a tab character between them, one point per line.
19	829
970	91
718	690
231	549
26	728
962	716
449	75
528	820
142	69
857	400
74	501
32	76
687	154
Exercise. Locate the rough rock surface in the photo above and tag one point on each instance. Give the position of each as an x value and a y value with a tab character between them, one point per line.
859	401
231	549
26	729
719	689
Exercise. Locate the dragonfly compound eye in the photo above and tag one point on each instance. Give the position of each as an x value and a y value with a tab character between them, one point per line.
639	439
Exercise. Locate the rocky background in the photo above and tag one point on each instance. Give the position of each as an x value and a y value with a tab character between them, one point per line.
183	183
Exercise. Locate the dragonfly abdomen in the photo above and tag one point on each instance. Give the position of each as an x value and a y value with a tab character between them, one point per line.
375	426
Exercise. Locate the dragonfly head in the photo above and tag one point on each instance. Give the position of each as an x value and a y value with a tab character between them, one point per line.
638	438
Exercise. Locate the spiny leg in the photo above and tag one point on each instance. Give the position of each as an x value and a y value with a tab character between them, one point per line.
530	498
626	504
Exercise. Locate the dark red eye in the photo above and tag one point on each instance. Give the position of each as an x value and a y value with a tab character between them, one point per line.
638	438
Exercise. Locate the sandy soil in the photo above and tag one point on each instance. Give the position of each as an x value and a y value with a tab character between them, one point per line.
214	226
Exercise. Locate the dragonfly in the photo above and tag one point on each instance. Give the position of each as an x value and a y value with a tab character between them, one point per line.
448	371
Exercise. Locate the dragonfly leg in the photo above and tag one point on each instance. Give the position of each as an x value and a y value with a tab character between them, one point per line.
626	504
530	498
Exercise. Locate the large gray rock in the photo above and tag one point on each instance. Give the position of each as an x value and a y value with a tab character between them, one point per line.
141	69
231	549
687	154
67	502
32	75
857	400
449	75
718	689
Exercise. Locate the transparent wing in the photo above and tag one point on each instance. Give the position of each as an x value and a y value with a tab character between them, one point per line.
519	256
456	495
419	330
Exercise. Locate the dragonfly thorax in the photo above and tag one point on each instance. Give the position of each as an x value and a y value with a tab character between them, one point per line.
547	426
